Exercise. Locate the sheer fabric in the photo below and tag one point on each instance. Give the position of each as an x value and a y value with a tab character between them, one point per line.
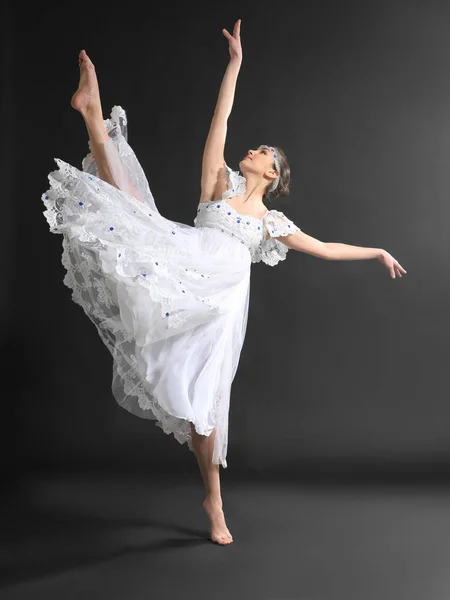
169	300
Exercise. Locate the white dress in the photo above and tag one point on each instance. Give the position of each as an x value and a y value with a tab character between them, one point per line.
169	300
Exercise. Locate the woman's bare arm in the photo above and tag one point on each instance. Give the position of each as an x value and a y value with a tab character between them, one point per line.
213	154
303	242
336	251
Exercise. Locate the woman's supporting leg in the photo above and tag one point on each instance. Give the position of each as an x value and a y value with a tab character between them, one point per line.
203	446
210	472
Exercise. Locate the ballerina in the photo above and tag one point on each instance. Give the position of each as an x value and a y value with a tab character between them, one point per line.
170	301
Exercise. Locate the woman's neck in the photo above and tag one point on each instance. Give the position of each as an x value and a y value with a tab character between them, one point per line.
254	190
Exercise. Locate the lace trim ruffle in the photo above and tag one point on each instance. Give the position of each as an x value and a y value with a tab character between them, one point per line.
98	223
117	129
271	251
99	218
90	291
236	184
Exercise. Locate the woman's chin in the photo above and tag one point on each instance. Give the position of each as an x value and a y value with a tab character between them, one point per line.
243	166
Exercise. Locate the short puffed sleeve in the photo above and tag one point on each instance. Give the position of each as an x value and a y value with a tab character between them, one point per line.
271	250
236	184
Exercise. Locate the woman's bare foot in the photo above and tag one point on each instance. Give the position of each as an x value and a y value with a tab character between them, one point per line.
87	96
219	531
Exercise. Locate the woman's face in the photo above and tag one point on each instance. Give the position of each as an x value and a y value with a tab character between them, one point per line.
257	161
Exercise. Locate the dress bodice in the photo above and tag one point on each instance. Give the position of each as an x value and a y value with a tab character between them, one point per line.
248	230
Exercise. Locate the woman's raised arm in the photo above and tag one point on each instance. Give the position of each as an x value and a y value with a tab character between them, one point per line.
213	154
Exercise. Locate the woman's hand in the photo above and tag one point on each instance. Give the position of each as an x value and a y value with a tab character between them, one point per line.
390	263
234	41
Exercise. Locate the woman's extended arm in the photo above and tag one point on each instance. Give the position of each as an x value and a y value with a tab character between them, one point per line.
213	154
303	242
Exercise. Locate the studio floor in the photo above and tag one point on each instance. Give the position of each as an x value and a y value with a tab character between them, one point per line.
132	536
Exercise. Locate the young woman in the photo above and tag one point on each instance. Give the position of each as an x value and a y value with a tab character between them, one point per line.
170	300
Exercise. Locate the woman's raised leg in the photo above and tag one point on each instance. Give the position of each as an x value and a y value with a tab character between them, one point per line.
87	101
203	446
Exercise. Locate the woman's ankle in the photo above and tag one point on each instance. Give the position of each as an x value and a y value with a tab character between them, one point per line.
213	500
93	114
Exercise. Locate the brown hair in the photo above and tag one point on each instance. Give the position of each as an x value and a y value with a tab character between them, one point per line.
282	188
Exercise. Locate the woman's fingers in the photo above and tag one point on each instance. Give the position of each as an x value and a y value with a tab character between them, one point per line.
397	269
393	266
234	41
236	31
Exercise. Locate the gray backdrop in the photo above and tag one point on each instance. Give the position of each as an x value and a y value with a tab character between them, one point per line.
341	365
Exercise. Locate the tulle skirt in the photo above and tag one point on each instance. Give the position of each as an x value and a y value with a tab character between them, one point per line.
169	300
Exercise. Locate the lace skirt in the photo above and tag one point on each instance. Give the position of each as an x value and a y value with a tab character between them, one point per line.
169	300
